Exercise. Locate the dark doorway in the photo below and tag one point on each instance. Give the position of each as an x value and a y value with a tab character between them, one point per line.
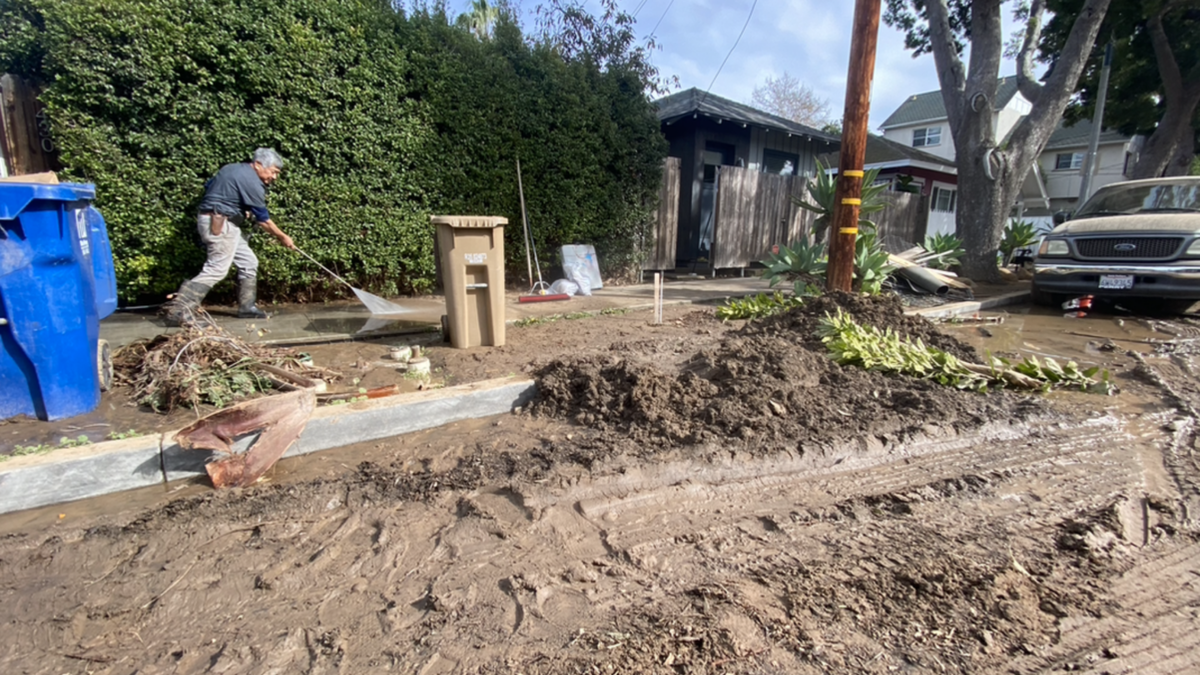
715	155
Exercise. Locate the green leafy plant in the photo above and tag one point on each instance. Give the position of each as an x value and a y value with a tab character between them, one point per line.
66	442
757	306
122	435
853	344
872	266
1018	234
822	191
802	263
944	250
383	116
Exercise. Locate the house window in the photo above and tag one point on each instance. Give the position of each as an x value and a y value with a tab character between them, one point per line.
926	137
943	200
782	163
1064	161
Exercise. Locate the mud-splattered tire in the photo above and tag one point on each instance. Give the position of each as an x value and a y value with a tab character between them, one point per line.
104	365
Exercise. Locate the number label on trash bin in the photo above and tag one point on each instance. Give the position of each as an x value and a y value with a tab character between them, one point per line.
81	226
476	258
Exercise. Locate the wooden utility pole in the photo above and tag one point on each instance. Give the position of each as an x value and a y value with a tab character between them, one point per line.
848	197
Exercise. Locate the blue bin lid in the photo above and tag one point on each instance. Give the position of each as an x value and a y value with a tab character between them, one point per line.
16	197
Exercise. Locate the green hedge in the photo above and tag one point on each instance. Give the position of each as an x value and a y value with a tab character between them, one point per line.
382	118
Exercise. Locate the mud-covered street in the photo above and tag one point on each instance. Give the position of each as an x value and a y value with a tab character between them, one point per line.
697	497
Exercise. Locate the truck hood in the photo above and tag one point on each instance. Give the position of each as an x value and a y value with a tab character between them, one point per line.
1176	223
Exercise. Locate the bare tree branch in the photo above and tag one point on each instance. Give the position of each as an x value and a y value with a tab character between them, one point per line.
1168	67
951	73
1029	87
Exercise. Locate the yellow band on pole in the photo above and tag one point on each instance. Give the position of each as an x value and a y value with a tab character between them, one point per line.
852	201
848	230
854	173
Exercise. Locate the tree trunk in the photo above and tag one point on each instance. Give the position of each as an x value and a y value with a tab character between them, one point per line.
1185	154
984	205
1175	125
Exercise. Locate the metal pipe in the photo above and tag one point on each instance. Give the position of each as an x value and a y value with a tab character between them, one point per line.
925	280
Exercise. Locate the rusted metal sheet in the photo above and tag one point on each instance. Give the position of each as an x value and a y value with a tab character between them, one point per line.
281	418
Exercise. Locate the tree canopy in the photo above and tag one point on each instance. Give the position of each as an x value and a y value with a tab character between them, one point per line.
1154	87
991	170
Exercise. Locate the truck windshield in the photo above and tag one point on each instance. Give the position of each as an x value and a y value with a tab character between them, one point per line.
1127	199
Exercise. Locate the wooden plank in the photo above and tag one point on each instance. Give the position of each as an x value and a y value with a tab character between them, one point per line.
24	139
663	230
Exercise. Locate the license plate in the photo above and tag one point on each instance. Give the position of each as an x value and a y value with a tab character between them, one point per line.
1116	281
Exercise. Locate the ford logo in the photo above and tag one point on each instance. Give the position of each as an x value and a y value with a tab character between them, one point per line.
1126	247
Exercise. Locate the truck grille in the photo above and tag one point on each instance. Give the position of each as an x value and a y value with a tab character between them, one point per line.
1142	248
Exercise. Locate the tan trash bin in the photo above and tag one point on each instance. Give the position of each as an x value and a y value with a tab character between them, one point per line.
472	258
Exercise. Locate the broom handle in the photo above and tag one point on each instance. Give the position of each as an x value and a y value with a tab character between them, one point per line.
331	272
525	223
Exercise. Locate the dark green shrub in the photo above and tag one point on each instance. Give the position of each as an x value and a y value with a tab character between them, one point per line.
382	118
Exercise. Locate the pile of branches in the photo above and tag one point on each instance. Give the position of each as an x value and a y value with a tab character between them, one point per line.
204	365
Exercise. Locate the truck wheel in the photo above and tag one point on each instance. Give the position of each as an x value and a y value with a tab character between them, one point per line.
1043	298
104	365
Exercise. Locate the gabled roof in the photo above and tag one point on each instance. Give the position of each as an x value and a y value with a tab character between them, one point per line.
1078	135
884	151
692	101
930	106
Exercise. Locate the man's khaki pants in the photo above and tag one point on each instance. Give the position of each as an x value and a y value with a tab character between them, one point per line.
230	248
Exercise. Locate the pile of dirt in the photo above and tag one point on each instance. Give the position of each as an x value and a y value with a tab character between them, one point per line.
772	388
883	312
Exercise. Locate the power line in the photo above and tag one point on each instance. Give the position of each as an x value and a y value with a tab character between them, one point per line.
664	15
735	44
638	9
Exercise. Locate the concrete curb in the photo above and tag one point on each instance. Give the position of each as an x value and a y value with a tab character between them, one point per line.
102	468
961	308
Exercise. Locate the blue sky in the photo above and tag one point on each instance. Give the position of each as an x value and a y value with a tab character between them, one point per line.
810	39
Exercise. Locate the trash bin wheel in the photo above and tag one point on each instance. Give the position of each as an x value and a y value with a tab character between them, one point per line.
104	365
445	328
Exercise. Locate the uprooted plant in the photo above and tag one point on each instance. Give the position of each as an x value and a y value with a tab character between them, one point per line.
757	306
202	364
853	344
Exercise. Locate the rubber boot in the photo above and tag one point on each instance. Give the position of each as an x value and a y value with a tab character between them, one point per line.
183	308
247	294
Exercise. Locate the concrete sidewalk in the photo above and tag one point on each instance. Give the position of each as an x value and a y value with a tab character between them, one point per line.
344	320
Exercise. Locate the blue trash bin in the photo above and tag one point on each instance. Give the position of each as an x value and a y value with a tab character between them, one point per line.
56	283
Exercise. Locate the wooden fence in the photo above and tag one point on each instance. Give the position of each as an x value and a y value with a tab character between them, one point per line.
903	222
664	225
755	211
24	130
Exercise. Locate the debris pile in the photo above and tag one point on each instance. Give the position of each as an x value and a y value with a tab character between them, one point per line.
205	365
771	387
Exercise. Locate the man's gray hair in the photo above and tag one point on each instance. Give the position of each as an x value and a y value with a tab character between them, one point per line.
268	158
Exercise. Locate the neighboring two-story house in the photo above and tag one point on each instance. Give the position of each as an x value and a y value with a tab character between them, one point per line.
1053	184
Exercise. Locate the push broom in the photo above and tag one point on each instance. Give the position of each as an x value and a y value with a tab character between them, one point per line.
540	290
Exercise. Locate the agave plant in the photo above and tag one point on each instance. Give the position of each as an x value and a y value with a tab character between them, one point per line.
801	263
822	191
1018	234
943	251
872	265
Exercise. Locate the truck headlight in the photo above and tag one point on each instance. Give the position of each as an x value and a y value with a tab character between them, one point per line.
1194	249
1055	247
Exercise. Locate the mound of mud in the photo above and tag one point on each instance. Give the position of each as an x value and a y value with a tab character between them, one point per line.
883	312
770	388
